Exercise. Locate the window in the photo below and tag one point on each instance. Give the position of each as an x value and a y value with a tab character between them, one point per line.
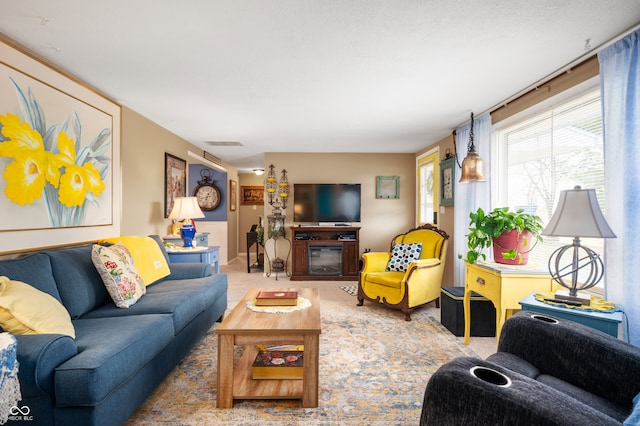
427	188
554	150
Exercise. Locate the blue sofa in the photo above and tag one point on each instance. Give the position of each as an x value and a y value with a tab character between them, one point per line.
119	356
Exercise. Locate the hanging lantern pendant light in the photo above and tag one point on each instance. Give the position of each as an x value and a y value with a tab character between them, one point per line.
472	165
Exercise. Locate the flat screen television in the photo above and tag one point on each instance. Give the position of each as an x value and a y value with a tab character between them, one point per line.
326	202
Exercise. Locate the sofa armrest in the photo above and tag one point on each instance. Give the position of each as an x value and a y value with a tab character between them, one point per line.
577	354
39	355
455	396
182	271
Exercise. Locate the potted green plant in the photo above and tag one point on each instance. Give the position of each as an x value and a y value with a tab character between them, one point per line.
513	235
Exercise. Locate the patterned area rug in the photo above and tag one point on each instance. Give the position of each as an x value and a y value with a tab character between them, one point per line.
374	367
351	289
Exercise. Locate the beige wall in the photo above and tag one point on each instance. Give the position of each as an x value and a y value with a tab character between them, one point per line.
144	144
142	156
382	219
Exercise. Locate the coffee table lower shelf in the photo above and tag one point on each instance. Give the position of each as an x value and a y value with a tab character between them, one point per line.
245	387
246	328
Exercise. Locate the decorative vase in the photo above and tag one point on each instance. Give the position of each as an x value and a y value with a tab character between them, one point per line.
188	232
509	241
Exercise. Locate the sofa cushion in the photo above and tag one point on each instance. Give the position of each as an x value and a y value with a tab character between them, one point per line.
147	256
212	289
26	310
80	286
110	352
181	306
402	255
118	273
34	269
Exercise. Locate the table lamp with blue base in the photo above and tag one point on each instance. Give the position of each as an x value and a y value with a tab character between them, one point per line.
186	209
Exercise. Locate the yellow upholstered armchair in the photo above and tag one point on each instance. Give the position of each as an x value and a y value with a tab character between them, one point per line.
409	275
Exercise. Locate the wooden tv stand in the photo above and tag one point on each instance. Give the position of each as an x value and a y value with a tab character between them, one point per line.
325	238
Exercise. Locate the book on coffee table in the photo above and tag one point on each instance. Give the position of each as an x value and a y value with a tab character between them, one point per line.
277	298
278	365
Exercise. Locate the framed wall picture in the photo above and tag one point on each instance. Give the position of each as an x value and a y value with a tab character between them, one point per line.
60	168
233	190
252	195
388	187
175	180
447	181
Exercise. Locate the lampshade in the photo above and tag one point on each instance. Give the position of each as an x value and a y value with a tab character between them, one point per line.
185	208
473	164
578	215
472	168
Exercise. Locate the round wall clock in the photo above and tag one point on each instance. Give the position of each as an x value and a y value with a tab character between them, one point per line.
206	192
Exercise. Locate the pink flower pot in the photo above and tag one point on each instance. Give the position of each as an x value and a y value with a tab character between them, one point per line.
509	241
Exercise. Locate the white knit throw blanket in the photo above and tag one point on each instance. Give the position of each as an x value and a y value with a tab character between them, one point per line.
9	385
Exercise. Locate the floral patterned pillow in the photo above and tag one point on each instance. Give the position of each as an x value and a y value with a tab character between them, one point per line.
118	273
402	255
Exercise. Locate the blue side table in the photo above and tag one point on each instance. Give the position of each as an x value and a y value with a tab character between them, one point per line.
209	255
606	322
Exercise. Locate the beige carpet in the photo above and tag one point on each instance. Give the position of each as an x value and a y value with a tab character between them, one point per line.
374	366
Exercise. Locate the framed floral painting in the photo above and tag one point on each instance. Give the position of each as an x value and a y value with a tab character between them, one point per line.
59	145
175	180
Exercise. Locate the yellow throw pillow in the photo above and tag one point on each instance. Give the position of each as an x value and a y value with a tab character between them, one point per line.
147	256
26	310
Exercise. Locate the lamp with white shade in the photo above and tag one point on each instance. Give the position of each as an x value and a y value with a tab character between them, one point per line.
185	209
577	215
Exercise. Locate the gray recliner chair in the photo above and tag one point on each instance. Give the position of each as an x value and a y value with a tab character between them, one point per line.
547	371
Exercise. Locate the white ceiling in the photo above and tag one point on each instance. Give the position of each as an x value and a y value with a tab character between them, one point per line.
313	75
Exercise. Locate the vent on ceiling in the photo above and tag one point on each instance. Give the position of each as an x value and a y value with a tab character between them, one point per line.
224	143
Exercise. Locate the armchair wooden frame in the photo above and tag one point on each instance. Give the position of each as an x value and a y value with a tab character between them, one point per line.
419	285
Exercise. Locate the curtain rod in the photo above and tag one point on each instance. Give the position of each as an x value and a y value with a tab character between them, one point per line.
559	71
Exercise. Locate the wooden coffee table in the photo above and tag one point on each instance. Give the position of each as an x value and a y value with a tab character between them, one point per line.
244	327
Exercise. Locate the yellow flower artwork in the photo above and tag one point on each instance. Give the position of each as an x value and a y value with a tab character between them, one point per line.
50	163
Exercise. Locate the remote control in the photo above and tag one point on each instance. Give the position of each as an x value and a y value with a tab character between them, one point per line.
566	302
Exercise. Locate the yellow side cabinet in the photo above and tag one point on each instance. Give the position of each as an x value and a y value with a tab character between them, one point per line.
504	286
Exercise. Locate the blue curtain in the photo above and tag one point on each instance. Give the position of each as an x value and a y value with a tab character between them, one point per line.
469	196
620	86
